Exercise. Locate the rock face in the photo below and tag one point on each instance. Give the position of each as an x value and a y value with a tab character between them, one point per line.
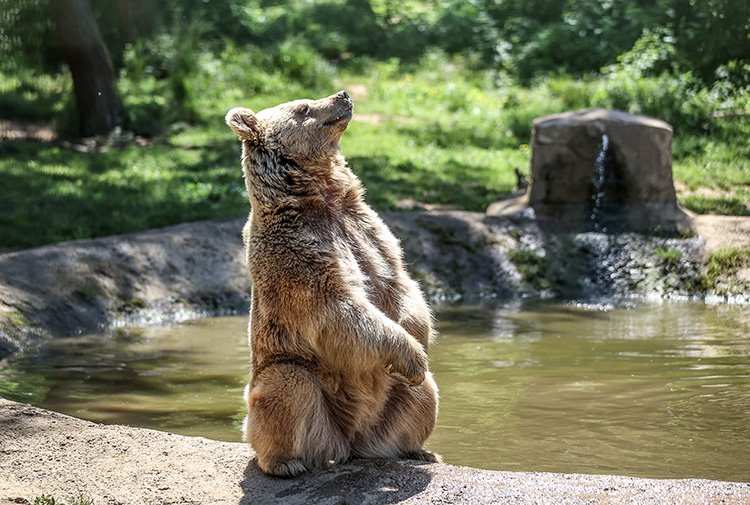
45	453
87	285
193	269
604	170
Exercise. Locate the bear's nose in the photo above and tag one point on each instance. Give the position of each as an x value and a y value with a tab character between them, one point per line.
343	95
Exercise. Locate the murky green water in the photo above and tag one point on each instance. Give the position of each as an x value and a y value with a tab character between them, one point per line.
643	389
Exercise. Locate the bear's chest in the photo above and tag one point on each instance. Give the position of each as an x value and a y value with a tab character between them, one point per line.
371	260
310	253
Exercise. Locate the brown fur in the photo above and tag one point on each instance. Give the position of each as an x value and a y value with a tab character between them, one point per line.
338	330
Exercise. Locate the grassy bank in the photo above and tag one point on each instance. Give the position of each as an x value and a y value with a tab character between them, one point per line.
432	134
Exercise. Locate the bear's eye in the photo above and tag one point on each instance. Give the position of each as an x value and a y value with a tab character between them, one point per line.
303	109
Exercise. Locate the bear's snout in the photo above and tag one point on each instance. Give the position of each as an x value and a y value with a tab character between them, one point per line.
343	97
341	108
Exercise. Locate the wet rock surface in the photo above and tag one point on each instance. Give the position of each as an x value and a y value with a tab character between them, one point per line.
45	453
193	269
161	276
149	277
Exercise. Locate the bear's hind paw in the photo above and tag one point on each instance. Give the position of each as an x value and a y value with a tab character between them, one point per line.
282	467
423	455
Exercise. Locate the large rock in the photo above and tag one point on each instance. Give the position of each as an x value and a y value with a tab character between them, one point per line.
604	170
45	453
193	269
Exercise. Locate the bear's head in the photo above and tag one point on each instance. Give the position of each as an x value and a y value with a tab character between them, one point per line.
301	130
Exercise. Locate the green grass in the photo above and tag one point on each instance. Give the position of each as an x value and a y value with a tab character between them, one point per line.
728	206
670	256
719	161
33	96
532	267
724	264
441	143
52	194
419	139
50	500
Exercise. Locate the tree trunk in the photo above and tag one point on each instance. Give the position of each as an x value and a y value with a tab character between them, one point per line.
88	59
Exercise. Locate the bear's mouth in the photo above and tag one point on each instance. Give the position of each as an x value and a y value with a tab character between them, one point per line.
345	116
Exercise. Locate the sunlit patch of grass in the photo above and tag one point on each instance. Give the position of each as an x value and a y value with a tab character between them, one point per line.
394	167
670	256
722	166
724	264
52	194
33	96
454	143
439	134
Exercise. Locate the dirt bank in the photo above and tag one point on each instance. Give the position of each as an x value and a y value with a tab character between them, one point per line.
721	232
44	452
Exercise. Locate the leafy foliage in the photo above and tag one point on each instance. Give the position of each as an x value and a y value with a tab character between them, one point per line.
451	91
527	38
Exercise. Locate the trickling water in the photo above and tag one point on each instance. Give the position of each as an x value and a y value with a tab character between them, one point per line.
600	177
644	389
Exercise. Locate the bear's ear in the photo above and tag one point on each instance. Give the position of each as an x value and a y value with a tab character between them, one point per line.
244	123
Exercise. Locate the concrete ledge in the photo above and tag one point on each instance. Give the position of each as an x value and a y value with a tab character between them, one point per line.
43	452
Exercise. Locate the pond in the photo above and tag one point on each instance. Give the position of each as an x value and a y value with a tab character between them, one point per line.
647	389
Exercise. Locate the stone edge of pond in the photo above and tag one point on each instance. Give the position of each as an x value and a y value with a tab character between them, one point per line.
194	269
47	453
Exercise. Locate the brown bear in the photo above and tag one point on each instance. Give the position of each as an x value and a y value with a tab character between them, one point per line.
338	330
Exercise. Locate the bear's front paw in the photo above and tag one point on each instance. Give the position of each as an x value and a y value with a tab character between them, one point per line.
413	367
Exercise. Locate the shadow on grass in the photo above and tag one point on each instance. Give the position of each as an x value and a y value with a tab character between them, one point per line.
456	184
457	136
715	205
27	102
51	194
